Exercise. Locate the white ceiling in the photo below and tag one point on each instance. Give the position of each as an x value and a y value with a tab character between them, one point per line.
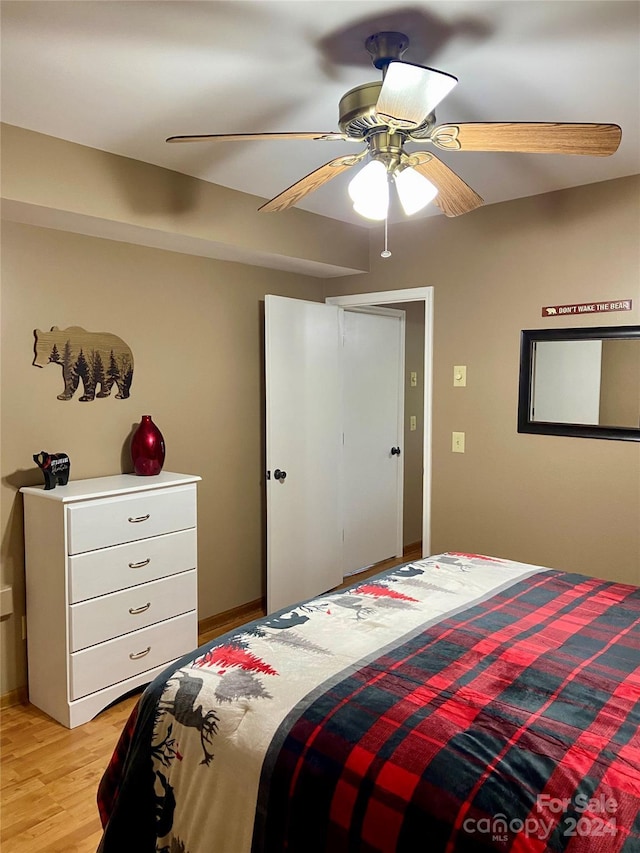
122	76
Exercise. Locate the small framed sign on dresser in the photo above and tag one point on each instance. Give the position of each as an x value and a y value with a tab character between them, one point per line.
111	586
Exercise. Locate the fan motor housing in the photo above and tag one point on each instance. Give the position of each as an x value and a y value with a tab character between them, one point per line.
357	110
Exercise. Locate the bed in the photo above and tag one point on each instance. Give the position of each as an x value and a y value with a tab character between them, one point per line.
457	703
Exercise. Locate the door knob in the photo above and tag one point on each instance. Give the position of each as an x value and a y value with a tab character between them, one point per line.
395	451
279	475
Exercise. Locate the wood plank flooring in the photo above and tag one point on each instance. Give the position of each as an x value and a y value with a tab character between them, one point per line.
49	774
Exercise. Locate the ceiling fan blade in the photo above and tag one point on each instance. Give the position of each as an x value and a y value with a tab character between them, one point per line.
248	137
410	92
537	138
454	195
311	182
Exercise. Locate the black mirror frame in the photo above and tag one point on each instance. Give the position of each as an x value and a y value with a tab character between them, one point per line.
530	336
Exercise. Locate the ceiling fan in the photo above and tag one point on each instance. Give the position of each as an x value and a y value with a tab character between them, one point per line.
400	109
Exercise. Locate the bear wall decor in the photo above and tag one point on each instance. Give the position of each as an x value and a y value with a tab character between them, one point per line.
100	359
55	467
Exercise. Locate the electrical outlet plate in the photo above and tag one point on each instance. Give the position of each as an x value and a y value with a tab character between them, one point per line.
459	376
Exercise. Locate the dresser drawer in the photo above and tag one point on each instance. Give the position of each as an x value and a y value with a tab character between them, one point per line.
126	518
122	658
99	572
100	619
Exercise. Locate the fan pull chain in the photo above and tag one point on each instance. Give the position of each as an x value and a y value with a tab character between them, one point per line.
385	253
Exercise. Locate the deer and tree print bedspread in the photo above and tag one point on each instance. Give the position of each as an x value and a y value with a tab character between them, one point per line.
458	703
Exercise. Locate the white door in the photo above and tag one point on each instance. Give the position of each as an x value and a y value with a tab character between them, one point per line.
303	443
372	466
391	297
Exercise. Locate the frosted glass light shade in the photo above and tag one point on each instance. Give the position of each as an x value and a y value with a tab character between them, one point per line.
410	92
414	190
369	191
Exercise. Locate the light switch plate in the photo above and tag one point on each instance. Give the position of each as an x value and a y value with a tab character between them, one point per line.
457	442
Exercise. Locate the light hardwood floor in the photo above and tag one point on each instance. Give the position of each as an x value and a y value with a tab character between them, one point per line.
50	774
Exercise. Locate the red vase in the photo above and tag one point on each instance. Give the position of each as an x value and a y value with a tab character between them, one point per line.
147	448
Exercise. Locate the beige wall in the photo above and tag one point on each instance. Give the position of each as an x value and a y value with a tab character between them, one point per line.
57	184
194	325
620	383
195	328
567	503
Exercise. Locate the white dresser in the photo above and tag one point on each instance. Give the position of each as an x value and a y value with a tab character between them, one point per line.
111	577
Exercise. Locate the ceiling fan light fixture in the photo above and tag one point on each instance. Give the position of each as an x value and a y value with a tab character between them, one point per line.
414	190
384	115
369	191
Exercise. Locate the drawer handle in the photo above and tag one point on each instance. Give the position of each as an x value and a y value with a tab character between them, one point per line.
138	655
140	518
141	563
135	610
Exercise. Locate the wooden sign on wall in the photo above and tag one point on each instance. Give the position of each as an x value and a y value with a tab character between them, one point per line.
100	359
587	308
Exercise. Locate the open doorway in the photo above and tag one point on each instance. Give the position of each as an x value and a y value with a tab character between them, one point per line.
395	299
373	457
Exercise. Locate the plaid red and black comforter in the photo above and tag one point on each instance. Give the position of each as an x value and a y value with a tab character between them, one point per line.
460	703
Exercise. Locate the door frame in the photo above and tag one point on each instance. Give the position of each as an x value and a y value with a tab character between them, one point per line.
388	297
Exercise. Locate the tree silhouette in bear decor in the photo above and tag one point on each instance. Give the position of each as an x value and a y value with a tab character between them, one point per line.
84	356
82	371
97	372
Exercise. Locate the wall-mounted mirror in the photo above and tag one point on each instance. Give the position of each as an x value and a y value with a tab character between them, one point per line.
581	382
